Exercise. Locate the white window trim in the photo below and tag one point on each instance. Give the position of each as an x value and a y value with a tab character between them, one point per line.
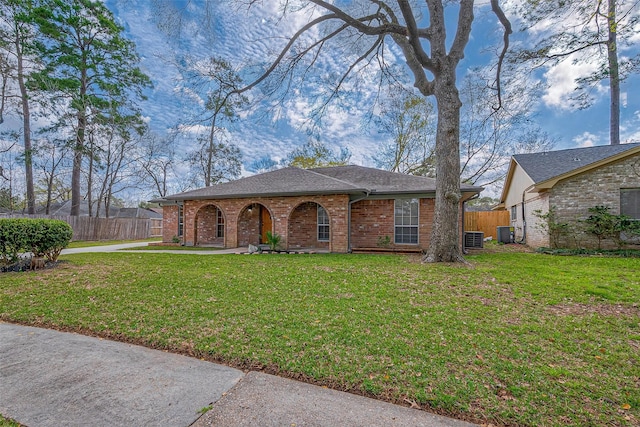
416	226
319	224
180	220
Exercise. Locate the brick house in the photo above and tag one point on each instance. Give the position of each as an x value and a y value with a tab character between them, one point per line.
338	209
571	181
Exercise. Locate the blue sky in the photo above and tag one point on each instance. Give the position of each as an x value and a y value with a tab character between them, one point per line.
250	37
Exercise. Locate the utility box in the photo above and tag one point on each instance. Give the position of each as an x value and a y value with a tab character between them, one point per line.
506	234
473	239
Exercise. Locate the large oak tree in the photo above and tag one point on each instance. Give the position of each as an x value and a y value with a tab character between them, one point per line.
419	30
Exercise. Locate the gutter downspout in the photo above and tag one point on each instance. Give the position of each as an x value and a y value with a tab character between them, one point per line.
351	202
523	241
464	204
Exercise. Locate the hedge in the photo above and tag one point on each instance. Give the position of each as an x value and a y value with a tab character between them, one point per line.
42	237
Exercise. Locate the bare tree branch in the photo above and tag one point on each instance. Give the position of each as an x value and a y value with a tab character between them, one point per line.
495	7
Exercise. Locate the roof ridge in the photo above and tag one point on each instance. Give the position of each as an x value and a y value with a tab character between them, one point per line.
630	146
336	179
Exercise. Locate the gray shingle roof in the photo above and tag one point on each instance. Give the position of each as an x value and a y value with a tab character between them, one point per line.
330	180
546	165
381	181
287	181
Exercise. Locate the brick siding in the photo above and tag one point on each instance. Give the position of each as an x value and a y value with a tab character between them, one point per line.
169	223
303	227
295	220
573	197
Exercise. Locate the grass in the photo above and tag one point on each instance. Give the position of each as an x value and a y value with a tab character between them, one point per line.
520	339
6	422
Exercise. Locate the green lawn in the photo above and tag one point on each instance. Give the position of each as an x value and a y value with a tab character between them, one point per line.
519	339
4	422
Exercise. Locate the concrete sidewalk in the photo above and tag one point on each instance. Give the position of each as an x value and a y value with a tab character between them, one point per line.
51	378
122	247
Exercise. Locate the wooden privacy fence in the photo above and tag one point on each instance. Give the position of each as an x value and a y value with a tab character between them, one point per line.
486	221
92	228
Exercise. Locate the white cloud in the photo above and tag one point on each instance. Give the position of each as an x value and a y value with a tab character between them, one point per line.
193	129
562	83
586	139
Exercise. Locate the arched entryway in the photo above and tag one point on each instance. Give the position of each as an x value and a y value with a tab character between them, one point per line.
209	226
253	223
309	227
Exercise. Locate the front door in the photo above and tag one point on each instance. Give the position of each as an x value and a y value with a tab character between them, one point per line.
265	223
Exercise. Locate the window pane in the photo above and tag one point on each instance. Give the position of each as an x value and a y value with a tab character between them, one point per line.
220	230
323	224
630	202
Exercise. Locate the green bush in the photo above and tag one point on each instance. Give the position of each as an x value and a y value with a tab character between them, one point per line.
42	237
49	237
13	239
605	225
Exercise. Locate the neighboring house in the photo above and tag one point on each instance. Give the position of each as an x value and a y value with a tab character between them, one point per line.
338	209
64	209
137	213
570	182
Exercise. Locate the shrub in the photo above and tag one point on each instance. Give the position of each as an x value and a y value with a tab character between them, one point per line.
273	240
13	239
549	224
605	225
49	237
42	237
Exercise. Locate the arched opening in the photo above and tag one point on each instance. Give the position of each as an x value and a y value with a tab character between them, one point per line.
209	226
309	227
253	223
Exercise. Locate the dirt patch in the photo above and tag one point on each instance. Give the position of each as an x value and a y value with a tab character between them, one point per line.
500	248
25	264
615	310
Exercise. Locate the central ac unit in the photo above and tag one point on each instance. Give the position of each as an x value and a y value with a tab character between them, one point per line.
473	239
505	234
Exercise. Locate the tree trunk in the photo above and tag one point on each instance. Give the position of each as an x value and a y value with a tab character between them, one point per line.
49	192
77	165
207	174
445	235
90	180
614	75
26	128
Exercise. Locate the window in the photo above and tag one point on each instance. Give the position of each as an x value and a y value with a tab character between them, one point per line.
220	222
323	225
630	202
406	221
514	213
180	220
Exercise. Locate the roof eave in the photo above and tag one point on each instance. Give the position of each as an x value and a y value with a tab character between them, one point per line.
551	182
